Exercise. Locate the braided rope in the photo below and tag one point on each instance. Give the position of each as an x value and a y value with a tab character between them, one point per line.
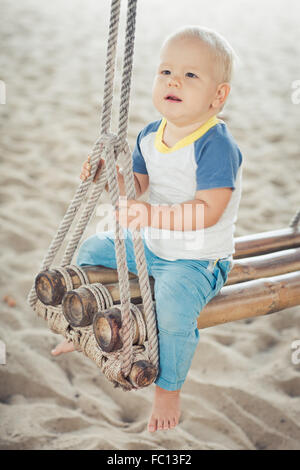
60	235
109	146
80	273
85	342
110	66
126	330
96	154
130	188
140	323
68	278
295	221
102	295
95	157
121	266
142	270
127	69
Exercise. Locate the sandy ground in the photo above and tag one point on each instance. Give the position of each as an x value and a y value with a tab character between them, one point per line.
243	390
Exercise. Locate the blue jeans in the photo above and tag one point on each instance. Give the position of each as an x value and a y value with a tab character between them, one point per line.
182	288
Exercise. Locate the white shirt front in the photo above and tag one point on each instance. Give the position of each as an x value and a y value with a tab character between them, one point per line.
208	158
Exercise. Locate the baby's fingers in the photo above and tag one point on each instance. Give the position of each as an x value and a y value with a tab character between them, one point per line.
86	169
87	166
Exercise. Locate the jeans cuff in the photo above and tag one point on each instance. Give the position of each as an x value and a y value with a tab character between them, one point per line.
171	386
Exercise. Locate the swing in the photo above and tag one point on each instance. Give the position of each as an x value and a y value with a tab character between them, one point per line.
109	315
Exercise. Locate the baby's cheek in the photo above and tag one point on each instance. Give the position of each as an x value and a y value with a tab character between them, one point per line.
158	82
156	95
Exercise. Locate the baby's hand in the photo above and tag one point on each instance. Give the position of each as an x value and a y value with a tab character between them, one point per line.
86	169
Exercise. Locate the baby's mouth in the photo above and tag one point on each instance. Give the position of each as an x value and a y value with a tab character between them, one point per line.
173	98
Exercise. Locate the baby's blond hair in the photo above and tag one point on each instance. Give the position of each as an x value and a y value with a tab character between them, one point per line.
223	53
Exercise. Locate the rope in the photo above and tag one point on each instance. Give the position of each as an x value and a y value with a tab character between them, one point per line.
295	221
102	295
141	327
109	146
84	341
142	270
68	278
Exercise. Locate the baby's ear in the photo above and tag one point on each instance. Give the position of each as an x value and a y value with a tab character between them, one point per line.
222	93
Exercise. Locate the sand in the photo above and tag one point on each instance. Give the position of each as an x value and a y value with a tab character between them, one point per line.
243	390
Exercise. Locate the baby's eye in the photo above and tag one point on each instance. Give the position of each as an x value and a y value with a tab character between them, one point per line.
165	72
191	75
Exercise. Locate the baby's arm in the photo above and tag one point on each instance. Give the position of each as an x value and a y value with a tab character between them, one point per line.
188	215
215	202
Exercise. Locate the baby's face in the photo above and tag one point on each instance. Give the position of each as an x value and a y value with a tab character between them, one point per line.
185	83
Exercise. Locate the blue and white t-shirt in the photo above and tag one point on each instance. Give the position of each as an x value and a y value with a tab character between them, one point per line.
208	158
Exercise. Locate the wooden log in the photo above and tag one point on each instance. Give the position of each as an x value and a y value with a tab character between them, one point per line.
266	242
236	302
142	373
79	306
107	325
251	299
50	285
271	264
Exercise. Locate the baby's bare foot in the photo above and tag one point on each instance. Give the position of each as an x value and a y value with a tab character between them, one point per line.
165	410
63	347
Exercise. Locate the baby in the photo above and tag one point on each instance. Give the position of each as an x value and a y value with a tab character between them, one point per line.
192	166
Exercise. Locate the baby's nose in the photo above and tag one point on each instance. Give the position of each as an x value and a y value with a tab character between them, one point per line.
174	81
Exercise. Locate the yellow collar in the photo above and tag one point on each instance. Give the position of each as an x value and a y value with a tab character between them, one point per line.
189	139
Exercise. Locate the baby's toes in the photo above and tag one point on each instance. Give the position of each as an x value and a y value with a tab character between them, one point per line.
63	347
160	425
172	423
166	425
152	426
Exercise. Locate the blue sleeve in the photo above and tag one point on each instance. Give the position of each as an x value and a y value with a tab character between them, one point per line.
138	161
217	162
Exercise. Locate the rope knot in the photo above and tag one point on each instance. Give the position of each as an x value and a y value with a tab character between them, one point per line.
109	139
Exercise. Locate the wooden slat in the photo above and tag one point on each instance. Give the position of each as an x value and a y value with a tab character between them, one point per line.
266	242
251	299
271	264
240	301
